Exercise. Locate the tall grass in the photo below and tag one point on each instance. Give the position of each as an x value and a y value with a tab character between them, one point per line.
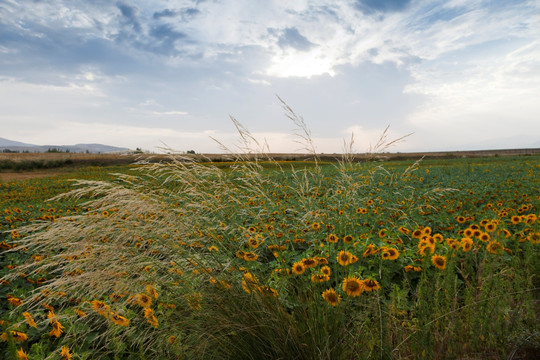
212	253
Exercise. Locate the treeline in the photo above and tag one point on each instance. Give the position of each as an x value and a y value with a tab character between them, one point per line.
33	164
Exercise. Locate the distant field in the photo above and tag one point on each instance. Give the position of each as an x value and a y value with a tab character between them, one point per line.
10	161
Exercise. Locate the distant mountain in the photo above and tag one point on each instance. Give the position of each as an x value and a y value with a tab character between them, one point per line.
10	145
7	143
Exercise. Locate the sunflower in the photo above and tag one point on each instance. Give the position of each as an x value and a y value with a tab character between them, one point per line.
119	320
16	335
326	270
150	317
408	268
353	286
422	247
316	226
57	329
322	260
249	282
490	227
21	355
390	254
466	244
29	319
344	258
100	307
318	278
14	301
309	262
484	237
439	261
142	300
515	219
404	230
250	256
116	297
348	239
371	285
507	233
80	313
64	353
253	242
382	233
438	238
417	234
461	219
151	290
531	219
332	238
494	247
267	291
331	297
298	268
370	250
468	232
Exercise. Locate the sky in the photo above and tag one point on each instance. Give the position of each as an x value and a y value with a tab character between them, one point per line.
154	74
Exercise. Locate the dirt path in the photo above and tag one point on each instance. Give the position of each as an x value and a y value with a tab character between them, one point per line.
25	175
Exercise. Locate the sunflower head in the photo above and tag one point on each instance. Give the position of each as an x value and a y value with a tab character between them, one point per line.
439	261
495	247
466	244
371	285
390	254
353	286
298	268
331	297
332	238
344	258
309	262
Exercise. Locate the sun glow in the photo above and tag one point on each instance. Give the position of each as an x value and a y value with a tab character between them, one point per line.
301	64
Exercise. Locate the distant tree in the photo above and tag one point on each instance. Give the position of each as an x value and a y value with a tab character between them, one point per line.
191	151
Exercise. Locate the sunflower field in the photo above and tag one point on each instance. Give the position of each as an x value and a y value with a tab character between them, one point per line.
434	259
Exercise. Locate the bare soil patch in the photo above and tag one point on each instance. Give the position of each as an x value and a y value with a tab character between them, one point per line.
25	175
